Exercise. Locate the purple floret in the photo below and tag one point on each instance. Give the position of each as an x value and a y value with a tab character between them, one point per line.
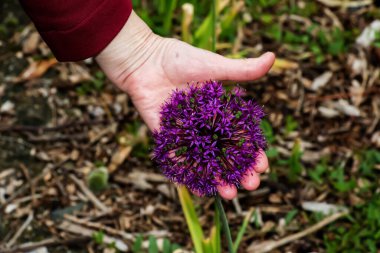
208	137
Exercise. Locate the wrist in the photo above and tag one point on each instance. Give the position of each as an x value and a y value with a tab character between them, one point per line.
129	50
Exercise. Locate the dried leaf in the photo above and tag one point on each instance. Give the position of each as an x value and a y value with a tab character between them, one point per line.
357	65
30	44
322	207
36	69
281	65
40	250
376	139
321	80
344	107
327	112
275	198
119	157
346	4
140	179
8	107
368	36
356	92
78	73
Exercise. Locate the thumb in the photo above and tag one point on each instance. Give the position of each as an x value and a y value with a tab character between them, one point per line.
241	69
185	62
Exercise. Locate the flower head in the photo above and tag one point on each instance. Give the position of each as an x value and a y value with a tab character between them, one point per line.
208	137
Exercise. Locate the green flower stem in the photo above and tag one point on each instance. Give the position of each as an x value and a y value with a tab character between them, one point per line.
226	228
213	11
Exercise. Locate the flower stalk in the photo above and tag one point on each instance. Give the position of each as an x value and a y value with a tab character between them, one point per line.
225	225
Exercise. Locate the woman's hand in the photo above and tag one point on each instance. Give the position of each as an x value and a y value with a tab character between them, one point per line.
149	67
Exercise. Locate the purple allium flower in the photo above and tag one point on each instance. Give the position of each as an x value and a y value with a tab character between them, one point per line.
208	136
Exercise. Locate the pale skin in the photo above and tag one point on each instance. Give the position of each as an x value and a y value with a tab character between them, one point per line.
148	68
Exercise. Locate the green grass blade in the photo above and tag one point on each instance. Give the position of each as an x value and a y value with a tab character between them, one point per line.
137	245
174	247
224	222
242	230
205	35
153	247
193	224
207	246
216	232
213	26
166	248
170	8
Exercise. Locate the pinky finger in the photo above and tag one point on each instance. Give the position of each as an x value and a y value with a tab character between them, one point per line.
227	192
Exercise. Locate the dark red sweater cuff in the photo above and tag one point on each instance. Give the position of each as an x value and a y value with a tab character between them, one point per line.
77	29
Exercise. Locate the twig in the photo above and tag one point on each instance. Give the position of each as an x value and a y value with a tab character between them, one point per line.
343	95
346	4
33	181
237	206
110	129
58	138
99	226
20	230
271	245
79	230
89	194
29	246
27	198
32	188
72	124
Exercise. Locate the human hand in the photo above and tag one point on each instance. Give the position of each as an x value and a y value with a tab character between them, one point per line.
149	67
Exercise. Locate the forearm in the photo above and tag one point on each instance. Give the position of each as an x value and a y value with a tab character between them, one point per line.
129	50
77	29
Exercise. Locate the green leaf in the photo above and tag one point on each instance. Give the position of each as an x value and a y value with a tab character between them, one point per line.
168	18
175	247
98	237
295	164
339	181
227	24
137	245
317	174
216	233
377	44
271	152
193	224
290	216
215	239
267	130
290	124
153	247
368	161
274	31
203	35
266	18
256	219
166	248
242	230
98	179
207	246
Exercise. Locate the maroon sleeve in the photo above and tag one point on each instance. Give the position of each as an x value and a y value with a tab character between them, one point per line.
77	29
